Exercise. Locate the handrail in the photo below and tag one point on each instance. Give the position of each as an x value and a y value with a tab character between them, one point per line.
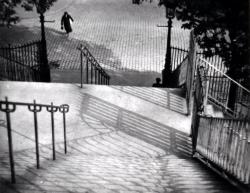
177	56
95	71
19	59
9	107
225	142
224	74
222	141
17	71
221	91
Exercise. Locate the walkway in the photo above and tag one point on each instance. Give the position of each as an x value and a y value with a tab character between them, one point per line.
121	139
120	35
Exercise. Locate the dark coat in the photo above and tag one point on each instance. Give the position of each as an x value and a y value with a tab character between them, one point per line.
66	22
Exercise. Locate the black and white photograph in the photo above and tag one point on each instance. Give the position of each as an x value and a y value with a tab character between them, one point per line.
124	96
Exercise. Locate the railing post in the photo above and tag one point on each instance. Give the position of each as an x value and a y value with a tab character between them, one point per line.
99	76
81	64
95	74
35	109
91	74
64	109
52	109
5	107
87	70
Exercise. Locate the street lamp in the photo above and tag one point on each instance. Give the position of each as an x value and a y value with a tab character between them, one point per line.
167	78
44	65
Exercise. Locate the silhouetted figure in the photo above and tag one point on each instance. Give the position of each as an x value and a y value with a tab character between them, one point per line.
157	84
65	22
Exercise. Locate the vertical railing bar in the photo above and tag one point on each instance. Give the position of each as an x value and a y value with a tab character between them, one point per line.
52	109
81	58
91	76
7	111
87	70
95	74
10	62
64	132
35	108
53	133
11	156
64	109
98	76
36	137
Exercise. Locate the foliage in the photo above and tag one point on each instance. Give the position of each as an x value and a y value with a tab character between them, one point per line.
221	27
8	13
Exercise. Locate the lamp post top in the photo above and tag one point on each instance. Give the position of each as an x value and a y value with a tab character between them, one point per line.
170	6
41	6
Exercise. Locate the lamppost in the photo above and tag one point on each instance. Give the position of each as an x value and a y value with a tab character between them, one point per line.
44	65
167	78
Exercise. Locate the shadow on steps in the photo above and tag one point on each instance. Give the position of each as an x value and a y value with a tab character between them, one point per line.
148	130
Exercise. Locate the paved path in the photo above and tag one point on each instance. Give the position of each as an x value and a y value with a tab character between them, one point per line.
119	34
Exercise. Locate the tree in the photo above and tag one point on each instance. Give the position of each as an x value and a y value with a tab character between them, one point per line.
7	8
221	28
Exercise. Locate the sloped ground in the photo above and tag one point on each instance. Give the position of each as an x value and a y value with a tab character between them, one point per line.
121	35
112	162
120	139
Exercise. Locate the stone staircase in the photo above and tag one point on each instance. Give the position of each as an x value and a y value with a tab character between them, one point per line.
121	139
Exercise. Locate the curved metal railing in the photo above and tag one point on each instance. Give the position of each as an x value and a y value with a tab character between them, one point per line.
95	74
9	107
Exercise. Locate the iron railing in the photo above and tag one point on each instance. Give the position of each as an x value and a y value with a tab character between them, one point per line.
177	56
215	60
223	141
226	143
200	101
184	72
95	74
9	107
220	86
190	71
21	62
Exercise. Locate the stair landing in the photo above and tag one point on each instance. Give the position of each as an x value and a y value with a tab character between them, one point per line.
121	139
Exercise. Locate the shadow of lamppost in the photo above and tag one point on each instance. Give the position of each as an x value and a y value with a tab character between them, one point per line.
167	76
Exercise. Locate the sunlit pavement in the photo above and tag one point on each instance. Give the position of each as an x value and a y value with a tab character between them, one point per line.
120	35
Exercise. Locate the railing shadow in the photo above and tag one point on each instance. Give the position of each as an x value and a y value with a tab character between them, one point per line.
170	99
146	129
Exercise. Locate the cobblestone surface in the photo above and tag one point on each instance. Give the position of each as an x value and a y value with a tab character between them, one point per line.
120	35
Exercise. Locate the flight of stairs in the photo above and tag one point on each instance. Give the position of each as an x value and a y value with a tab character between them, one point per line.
120	139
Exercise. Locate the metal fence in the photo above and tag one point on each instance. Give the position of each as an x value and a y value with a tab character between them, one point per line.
94	73
222	89
223	141
215	60
177	56
21	62
199	101
9	107
226	142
